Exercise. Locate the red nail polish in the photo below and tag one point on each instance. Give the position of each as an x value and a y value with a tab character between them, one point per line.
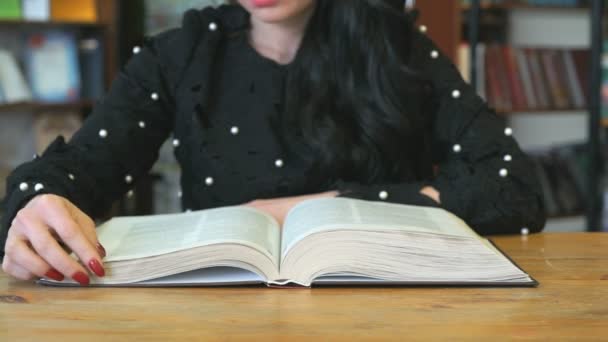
96	267
102	251
81	278
54	274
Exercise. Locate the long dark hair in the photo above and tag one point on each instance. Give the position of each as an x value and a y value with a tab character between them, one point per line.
353	99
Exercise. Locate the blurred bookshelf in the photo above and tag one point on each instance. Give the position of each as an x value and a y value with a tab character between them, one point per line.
31	106
548	46
4	23
57	58
532	5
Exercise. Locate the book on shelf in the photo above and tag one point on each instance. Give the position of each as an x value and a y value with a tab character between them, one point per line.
323	241
573	82
13	85
540	3
523	78
52	66
70	10
526	79
36	10
10	9
561	171
538	78
557	86
514	79
91	57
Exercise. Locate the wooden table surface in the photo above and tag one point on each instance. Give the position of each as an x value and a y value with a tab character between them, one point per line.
570	303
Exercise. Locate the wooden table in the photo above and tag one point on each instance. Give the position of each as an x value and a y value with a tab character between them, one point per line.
571	302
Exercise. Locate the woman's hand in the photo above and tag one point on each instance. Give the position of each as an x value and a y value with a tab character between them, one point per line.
432	193
38	232
279	207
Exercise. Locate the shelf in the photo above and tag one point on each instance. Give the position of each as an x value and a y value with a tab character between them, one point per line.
49	24
510	5
564	111
42	107
566	216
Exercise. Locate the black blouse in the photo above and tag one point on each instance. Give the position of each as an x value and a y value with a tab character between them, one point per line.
205	88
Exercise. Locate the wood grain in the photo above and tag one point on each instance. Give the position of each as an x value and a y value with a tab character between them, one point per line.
570	303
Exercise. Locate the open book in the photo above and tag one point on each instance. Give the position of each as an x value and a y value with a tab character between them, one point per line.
323	241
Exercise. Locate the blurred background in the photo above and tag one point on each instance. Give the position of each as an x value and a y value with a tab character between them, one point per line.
539	63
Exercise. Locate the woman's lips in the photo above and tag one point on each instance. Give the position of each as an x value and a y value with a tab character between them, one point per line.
265	3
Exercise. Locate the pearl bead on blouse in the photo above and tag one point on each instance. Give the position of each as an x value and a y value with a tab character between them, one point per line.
24	186
423	28
383	195
212	26
136	50
128	179
279	163
142	124
130	194
154	96
456	94
38	187
525	231
234	130
71	176
434	54
103	133
503	173
176	142
457	148
209	181
508	158
508	131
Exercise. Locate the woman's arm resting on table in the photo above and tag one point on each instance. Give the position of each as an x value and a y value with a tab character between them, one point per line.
483	177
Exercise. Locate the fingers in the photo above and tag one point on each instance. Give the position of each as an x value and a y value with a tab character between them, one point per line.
40	232
87	225
61	221
47	248
32	262
15	270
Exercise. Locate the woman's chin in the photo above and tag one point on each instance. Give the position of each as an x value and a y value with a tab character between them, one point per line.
269	15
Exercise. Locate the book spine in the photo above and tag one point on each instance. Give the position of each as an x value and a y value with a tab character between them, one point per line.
560	70
91	62
581	62
493	82
481	70
574	86
515	87
526	78
552	78
463	61
503	78
540	85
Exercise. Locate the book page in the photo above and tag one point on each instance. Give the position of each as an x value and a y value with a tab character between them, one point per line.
341	213
128	238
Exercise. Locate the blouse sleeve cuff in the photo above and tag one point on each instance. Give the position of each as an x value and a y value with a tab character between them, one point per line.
403	193
17	198
451	200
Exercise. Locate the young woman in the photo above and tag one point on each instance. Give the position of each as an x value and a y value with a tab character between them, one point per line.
268	103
